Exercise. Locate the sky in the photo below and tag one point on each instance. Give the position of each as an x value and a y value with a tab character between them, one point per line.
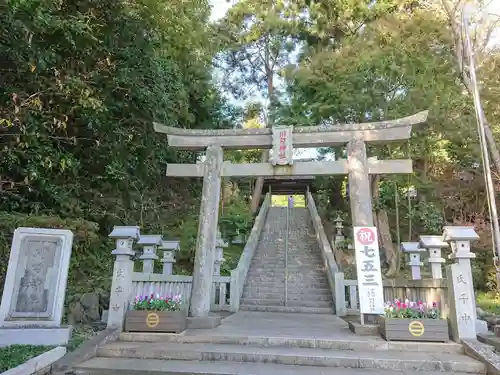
220	8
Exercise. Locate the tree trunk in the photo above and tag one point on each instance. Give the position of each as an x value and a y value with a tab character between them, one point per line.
460	57
259	183
381	221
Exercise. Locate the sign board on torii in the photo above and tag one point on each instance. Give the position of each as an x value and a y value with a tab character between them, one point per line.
282	145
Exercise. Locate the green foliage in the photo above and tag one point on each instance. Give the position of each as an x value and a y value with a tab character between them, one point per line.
79	335
81	84
489	302
236	220
15	355
232	255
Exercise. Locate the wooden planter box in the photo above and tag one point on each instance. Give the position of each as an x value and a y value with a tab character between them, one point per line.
155	321
393	329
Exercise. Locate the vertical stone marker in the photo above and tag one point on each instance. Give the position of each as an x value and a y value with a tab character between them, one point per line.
460	285
122	274
199	309
35	287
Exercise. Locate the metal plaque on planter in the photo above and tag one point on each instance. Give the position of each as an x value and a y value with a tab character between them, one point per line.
370	287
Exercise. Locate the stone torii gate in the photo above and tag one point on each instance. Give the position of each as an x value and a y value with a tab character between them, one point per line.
356	166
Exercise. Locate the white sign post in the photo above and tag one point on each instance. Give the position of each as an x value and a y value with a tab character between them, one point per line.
282	145
370	287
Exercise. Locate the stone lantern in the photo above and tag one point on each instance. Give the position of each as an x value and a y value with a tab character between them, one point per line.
149	243
414	250
169	248
434	244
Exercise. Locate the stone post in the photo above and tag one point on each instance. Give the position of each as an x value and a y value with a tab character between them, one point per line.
149	244
414	250
460	285
359	184
219	253
121	286
207	232
169	248
434	244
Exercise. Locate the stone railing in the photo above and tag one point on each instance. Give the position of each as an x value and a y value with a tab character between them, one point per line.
178	285
239	274
414	290
326	250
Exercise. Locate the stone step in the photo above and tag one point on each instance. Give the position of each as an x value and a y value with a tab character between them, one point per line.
126	366
295	296
306	282
300	342
287	309
293	271
305	276
291	266
280	283
280	290
291	303
384	360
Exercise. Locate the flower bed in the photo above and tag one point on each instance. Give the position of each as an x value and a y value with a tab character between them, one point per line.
413	321
156	314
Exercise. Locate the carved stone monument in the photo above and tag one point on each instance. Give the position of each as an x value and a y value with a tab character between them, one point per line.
35	287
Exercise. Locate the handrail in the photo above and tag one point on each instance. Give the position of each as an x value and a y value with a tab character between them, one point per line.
286	251
239	274
326	250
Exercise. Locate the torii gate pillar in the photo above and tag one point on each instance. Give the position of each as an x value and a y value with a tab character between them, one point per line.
205	243
359	184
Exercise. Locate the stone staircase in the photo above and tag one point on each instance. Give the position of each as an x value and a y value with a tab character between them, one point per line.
295	344
308	290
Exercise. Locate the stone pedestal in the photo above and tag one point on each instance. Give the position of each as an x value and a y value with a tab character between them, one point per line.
149	244
122	274
460	284
207	232
169	249
413	250
434	244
